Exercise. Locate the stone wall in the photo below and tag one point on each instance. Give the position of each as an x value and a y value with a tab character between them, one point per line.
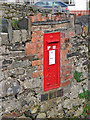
18	11
22	71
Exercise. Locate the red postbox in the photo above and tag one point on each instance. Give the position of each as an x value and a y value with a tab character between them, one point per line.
51	61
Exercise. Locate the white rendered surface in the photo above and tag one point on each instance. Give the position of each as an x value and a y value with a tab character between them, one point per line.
80	5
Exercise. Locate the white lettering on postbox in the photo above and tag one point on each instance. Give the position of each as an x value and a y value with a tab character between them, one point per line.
51	57
54	47
48	47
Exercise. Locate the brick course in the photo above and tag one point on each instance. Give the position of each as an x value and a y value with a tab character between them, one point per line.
37	74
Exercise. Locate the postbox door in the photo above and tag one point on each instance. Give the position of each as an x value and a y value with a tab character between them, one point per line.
51	61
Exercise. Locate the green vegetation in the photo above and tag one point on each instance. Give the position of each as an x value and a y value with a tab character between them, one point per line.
77	76
23	115
86	111
75	107
85	94
14	24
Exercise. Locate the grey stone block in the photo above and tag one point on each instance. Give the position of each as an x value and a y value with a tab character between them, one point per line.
5	39
24	35
23	64
32	83
78	29
16	36
9	88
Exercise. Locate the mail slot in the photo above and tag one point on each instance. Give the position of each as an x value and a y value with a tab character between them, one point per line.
51	61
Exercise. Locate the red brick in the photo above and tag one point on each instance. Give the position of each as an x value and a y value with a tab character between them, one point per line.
65	83
63	40
63	78
39	45
33	45
55	17
65	62
39	67
37	74
49	16
34	18
38	17
67	40
59	17
63	56
63	67
40	50
71	34
64	51
44	18
66	72
69	77
37	33
37	39
69	66
36	45
40	55
35	28
34	51
27	49
37	62
69	46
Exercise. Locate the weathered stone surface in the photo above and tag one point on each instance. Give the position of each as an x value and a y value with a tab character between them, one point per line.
27	113
74	92
24	35
22	78
59	106
10	87
22	64
41	115
23	23
67	104
61	114
70	113
52	113
32	83
3	90
5	61
10	105
16	36
17	71
4	25
21	91
78	29
34	110
44	107
79	111
4	37
76	102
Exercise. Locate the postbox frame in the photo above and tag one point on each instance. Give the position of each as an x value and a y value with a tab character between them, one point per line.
56	40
